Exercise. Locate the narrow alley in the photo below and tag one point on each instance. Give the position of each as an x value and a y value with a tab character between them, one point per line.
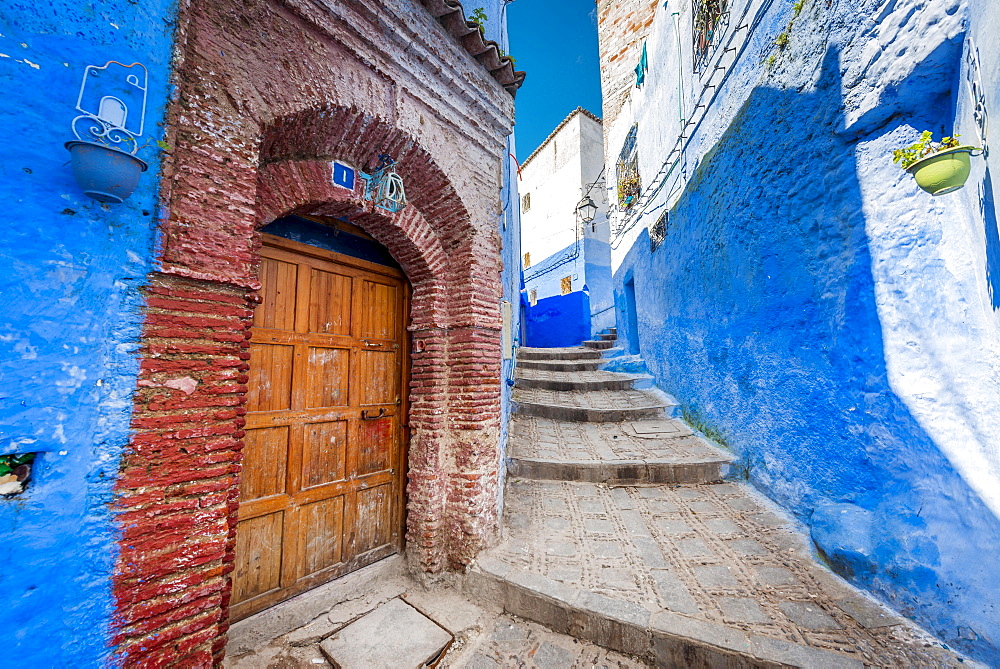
547	334
621	531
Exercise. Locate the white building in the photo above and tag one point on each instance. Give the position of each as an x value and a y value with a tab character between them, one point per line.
566	260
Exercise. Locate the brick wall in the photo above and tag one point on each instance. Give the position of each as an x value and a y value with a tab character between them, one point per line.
267	94
622	26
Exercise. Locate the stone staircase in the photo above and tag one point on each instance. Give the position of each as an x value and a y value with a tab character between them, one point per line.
620	530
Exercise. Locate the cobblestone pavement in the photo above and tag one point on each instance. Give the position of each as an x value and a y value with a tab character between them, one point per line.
592	399
574	441
718	553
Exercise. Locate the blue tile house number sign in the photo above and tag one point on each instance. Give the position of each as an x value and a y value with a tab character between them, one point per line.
343	175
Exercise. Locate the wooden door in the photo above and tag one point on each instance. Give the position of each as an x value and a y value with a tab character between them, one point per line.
322	488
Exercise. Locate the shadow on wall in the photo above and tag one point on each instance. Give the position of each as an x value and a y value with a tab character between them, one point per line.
560	320
988	211
758	312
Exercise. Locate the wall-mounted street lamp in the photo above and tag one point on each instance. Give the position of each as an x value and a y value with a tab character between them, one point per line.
112	106
585	212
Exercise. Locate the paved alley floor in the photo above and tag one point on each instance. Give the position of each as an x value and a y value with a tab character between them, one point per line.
619	528
506	642
712	560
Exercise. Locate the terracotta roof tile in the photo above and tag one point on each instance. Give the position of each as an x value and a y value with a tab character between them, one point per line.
451	15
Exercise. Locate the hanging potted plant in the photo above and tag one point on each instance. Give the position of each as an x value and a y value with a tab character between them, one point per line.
938	167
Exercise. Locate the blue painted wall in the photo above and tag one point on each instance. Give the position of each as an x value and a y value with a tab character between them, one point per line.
769	312
509	227
560	320
70	275
545	276
304	231
510	235
597	270
557	319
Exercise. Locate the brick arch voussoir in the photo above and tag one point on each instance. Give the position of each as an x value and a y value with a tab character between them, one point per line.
305	187
329	131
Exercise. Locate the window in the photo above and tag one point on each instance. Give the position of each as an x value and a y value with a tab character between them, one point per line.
710	20
566	285
532	297
629	185
658	232
527	260
526	202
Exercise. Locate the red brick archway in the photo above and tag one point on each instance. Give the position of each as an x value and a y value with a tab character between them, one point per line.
179	490
251	145
267	94
455	394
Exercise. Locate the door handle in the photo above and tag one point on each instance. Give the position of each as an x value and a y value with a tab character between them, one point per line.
373	344
366	416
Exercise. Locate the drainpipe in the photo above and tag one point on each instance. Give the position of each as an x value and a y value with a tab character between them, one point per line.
680	67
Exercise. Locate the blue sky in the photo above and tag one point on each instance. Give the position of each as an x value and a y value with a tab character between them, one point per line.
555	42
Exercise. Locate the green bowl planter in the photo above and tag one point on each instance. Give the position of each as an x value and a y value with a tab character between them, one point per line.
943	172
105	174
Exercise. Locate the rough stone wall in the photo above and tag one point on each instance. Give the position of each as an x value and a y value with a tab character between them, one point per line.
268	93
815	311
70	273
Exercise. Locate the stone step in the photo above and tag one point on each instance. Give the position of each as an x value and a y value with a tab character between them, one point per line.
587	365
659	451
599	344
597	406
609	335
616	472
682	576
568	353
580	380
416	640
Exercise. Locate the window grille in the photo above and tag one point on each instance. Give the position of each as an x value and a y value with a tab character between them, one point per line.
710	17
629	184
526	202
566	285
658	232
527	260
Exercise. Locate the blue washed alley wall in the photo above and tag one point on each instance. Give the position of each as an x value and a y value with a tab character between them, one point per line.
811	307
70	276
560	320
510	235
557	319
597	269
